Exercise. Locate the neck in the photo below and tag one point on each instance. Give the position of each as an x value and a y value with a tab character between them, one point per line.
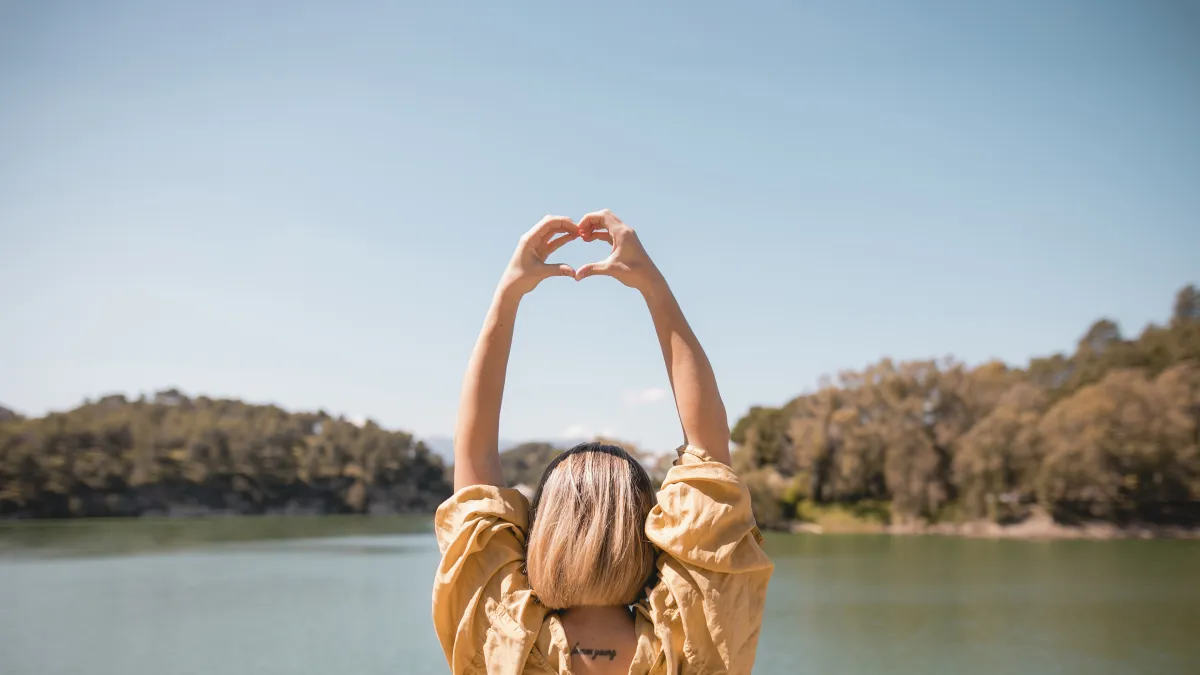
589	614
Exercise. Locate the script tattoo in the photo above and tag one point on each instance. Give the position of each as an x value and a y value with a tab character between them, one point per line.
594	653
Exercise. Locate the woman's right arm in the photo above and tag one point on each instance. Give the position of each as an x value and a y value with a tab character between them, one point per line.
477	432
701	411
480	594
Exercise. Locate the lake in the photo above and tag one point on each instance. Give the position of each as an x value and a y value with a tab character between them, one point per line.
350	595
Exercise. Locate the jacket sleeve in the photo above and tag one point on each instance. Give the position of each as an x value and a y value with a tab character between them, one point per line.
483	610
713	573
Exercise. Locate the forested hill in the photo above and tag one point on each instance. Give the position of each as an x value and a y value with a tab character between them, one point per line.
172	454
524	464
1110	432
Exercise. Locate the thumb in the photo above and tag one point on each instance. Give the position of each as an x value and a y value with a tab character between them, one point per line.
557	271
590	269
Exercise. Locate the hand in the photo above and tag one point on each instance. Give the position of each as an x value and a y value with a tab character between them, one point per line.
528	266
629	263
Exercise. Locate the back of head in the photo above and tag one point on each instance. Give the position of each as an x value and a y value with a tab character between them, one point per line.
587	543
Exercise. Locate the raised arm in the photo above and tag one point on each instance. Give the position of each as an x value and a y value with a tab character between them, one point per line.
701	411
477	433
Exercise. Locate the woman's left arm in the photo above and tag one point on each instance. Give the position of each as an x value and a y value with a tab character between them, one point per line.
477	433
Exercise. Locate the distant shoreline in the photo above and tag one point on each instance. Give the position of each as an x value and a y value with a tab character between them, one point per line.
190	512
1032	529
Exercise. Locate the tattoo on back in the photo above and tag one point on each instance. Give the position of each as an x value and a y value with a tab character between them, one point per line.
594	653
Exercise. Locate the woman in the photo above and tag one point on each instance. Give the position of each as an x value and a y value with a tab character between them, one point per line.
600	575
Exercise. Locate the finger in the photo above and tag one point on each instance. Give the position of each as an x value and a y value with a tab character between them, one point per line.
598	236
557	271
555	244
551	225
596	220
592	269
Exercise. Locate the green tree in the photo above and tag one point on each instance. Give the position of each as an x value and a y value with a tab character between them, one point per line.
998	459
171	453
1108	431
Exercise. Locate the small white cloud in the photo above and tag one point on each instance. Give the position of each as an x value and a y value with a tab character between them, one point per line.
357	420
577	431
645	396
582	432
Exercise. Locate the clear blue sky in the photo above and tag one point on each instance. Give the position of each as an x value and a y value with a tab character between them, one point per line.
309	203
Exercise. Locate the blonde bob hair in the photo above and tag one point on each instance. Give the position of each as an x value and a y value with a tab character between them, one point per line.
587	541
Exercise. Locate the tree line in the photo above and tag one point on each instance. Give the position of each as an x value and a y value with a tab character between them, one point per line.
524	464
171	454
1110	432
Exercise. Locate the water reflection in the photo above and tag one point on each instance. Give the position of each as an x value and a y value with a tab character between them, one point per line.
317	595
90	538
865	604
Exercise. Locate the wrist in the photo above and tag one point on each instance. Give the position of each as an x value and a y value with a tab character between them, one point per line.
507	297
655	287
508	290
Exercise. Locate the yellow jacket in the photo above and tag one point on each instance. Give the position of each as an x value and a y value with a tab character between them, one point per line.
701	615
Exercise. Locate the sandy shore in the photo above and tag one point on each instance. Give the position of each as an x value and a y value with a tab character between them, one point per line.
1038	526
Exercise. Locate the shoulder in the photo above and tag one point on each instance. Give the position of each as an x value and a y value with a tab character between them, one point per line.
477	503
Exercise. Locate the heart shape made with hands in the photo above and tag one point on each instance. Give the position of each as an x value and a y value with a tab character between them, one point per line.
627	262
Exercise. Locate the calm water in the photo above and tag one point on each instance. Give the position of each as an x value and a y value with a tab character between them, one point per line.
351	595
